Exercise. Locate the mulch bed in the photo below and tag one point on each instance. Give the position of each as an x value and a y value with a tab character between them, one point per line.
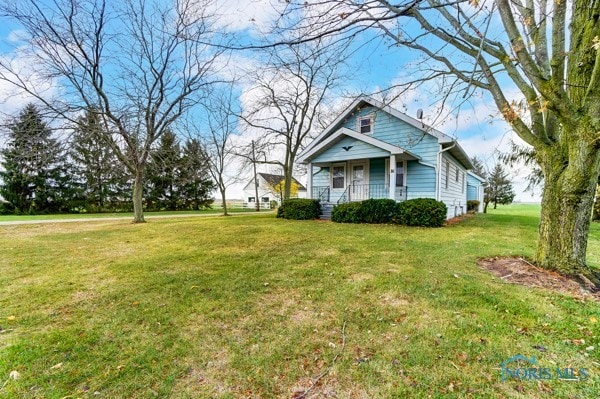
520	271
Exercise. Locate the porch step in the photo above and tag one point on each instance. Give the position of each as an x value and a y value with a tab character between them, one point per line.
326	210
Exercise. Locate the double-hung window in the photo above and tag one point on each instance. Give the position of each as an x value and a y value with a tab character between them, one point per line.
338	176
365	124
400	174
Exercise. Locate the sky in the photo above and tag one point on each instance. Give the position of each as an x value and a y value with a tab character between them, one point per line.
376	66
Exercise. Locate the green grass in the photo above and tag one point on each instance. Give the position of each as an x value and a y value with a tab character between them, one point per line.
255	307
64	216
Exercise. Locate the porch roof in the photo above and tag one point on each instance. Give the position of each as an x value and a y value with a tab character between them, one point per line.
311	153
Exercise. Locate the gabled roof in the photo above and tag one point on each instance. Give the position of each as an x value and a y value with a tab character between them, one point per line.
316	149
476	176
443	139
276	179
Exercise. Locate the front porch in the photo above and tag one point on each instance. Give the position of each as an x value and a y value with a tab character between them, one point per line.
358	192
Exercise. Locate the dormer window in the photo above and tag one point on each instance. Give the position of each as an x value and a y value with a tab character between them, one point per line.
365	124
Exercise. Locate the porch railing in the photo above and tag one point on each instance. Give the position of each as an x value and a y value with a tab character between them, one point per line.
361	192
321	193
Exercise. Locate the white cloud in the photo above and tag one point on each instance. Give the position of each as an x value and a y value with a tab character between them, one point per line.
255	16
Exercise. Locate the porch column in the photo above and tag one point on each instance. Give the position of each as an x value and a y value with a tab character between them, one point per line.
392	173
309	181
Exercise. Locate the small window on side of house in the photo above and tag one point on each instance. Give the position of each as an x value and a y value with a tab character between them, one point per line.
251	199
365	124
447	174
457	173
265	199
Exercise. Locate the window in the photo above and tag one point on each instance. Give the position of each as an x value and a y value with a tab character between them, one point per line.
457	172
365	124
265	199
251	199
447	174
338	176
399	174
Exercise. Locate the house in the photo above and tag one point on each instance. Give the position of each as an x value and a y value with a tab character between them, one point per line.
374	151
266	192
475	187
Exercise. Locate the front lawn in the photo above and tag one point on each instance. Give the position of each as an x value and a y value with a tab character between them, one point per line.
259	307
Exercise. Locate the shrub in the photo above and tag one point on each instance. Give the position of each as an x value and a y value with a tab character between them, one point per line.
472	205
425	212
350	212
6	208
299	209
378	210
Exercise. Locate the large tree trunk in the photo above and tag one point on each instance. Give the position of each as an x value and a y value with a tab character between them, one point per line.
567	203
224	201
138	196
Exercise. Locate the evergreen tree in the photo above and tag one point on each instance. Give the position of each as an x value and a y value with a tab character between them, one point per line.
102	178
478	167
499	188
163	174
34	177
196	184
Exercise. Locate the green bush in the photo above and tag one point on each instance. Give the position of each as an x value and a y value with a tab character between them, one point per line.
299	209
425	212
6	208
350	212
378	210
472	205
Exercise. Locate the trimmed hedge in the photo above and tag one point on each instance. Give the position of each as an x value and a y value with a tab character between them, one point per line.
425	212
378	210
472	205
350	212
299	209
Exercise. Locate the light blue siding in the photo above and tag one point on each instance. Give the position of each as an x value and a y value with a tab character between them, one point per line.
320	176
377	171
452	192
472	192
359	150
420	180
394	131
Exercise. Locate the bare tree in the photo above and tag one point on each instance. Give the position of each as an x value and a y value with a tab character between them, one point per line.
222	125
546	53
139	63
289	93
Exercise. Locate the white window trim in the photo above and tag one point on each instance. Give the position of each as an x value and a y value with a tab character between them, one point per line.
447	179
371	118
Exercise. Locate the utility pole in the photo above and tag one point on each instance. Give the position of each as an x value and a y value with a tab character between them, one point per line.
255	179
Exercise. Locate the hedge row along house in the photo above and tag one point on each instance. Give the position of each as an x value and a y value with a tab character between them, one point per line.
374	151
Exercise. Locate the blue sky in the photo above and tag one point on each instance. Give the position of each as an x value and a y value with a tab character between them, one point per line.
376	66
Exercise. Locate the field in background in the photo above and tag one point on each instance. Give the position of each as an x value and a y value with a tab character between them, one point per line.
259	307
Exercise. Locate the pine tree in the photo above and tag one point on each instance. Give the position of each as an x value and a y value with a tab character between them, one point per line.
196	184
499	188
163	174
35	178
103	179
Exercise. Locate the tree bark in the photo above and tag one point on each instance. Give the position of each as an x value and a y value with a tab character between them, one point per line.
138	194
567	201
224	201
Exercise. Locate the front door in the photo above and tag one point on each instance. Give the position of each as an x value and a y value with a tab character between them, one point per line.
359	189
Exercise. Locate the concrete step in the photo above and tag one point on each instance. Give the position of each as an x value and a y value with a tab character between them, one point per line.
326	210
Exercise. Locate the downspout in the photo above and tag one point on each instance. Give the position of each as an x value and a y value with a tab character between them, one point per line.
438	186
